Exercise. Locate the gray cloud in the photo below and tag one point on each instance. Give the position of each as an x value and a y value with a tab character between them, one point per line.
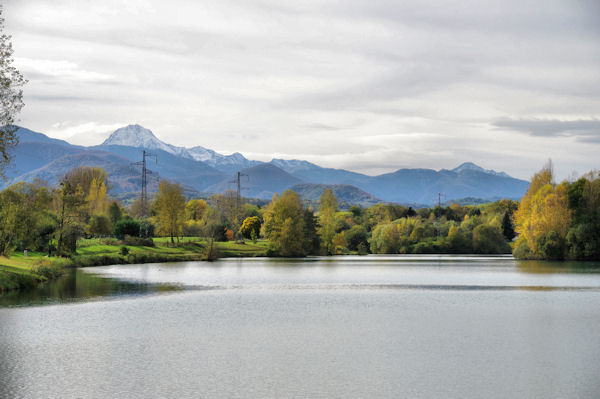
302	78
586	130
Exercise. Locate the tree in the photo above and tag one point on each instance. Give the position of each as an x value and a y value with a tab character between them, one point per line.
544	208
356	236
284	224
508	230
126	227
170	205
99	225
327	207
11	97
70	201
26	220
310	238
114	213
251	225
195	208
489	240
93	183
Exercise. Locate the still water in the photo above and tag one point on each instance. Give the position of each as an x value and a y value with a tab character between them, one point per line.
375	326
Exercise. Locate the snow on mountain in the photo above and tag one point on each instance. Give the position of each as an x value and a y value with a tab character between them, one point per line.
471	166
140	137
292	165
204	154
228	163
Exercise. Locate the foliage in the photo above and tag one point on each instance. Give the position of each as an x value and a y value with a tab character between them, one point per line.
126	226
544	208
251	225
99	225
11	97
135	241
114	212
194	209
284	225
170	205
327	207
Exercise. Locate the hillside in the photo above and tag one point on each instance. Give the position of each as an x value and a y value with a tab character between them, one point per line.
261	181
346	194
203	170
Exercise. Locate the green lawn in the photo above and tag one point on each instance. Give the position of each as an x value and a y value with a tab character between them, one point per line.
18	271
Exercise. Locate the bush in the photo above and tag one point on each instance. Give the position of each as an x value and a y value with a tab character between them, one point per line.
489	240
552	246
126	227
138	241
124	250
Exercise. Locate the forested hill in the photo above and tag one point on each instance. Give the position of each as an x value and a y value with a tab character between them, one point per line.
205	171
346	194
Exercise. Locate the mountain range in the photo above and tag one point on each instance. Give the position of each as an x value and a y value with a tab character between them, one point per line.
203	171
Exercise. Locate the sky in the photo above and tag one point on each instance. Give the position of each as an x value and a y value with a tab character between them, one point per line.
366	85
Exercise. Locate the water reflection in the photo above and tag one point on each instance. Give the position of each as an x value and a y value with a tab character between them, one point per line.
552	267
78	285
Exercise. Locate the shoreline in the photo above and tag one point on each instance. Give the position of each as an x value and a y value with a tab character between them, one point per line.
18	273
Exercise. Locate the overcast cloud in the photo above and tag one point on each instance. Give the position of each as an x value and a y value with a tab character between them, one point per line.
366	85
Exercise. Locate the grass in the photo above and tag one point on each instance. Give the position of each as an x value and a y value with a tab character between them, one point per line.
18	271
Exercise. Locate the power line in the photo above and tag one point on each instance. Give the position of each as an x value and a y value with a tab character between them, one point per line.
238	195
145	172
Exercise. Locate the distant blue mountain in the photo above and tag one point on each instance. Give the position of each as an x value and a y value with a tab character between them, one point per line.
204	170
260	181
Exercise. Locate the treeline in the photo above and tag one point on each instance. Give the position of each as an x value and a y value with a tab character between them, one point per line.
559	221
553	221
52	219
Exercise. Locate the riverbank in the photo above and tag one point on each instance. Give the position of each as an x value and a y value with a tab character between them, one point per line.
18	272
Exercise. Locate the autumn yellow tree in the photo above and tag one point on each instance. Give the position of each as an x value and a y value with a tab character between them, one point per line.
170	206
327	207
284	224
194	209
543	217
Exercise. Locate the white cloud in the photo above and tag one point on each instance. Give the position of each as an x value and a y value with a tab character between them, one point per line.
64	70
369	85
89	133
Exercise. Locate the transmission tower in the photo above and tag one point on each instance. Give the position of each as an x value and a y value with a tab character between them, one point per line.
145	172
238	196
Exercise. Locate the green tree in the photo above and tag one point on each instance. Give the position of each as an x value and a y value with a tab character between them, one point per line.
508	230
26	219
114	213
310	238
11	97
126	227
327	207
99	225
70	203
489	240
170	205
356	236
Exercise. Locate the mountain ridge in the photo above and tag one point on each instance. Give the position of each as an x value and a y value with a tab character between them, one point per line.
205	170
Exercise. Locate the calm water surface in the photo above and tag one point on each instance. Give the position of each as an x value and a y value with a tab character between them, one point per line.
376	326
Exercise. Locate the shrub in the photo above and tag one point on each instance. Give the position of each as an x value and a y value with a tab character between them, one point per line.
125	227
138	241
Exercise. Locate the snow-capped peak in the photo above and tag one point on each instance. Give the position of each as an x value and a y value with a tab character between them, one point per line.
471	166
140	137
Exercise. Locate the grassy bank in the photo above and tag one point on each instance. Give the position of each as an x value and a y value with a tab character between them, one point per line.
19	272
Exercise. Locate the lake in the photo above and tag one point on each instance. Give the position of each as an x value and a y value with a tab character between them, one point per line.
372	326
